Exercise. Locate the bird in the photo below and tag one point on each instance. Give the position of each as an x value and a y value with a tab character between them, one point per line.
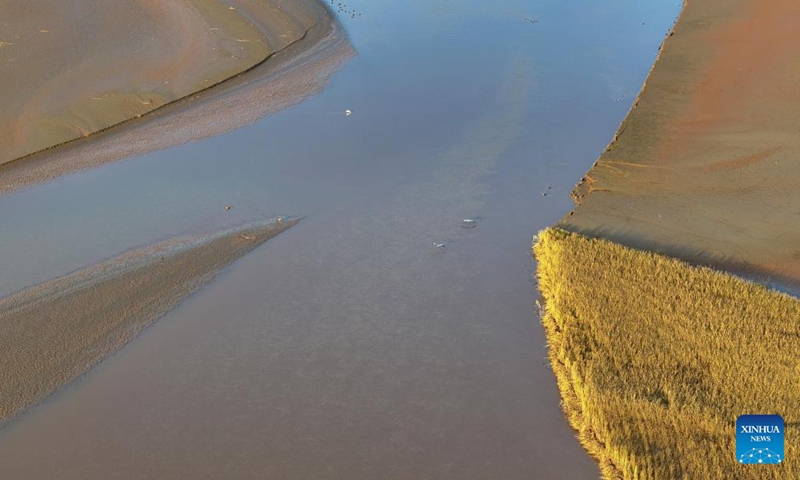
348	112
438	245
469	223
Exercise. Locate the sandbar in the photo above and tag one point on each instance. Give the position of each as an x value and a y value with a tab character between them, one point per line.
704	167
284	51
52	333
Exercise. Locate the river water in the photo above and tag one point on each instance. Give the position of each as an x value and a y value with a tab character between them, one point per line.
349	347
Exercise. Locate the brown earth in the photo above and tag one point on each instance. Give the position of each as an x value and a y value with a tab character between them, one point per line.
706	164
73	69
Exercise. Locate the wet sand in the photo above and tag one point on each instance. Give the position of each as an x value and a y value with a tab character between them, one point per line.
170	52
704	167
52	333
348	347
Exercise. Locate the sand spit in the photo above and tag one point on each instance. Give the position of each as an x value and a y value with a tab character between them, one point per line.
299	43
52	333
705	168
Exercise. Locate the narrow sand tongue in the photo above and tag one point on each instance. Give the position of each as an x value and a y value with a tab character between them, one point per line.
71	69
51	333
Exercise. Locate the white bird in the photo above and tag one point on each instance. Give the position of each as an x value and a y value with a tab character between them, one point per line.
438	245
468	223
348	112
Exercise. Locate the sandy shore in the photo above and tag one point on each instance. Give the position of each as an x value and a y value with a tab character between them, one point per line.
51	333
704	168
295	47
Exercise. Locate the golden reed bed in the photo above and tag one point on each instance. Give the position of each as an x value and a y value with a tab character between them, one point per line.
655	359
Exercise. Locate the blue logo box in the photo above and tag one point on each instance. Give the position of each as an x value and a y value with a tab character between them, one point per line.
759	439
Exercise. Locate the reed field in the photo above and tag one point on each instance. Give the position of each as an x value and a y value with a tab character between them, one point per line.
655	359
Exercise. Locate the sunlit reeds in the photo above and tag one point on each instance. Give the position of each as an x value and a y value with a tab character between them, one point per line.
655	358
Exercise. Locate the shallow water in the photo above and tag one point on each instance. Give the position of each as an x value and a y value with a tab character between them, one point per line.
348	346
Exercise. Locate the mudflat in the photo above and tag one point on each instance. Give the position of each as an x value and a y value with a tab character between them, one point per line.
72	69
300	69
52	333
705	167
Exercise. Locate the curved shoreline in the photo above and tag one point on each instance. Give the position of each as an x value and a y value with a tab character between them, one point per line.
286	76
76	68
52	333
699	174
702	167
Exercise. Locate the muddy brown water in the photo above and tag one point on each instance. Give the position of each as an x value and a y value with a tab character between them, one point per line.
348	347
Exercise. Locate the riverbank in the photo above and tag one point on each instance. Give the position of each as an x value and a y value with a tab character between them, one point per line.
349	346
655	358
52	333
701	170
294	48
703	167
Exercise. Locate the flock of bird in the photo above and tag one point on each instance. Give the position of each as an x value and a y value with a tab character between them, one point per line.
466	223
341	7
